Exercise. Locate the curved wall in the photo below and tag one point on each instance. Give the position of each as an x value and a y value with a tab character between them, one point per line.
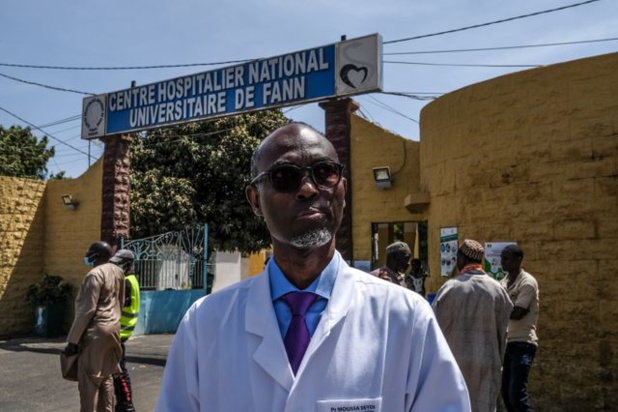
69	233
371	146
532	157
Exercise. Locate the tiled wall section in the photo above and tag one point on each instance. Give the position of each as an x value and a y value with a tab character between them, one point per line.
21	249
38	236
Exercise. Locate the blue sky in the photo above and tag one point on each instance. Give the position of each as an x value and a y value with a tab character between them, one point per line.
141	33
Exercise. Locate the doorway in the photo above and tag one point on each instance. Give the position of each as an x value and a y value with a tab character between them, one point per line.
411	232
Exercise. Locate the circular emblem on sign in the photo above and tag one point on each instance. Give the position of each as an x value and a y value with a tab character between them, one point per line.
93	114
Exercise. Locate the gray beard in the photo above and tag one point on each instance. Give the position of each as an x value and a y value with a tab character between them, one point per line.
313	238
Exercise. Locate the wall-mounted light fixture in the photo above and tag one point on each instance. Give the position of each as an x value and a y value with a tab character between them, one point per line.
382	177
68	202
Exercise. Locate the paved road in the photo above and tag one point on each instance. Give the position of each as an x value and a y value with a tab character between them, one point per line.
30	379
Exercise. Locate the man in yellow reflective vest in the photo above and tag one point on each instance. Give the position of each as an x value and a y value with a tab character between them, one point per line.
122	383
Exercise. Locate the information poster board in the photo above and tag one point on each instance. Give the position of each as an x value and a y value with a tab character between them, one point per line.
448	250
493	266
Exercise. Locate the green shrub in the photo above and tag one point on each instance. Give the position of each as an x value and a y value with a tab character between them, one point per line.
52	289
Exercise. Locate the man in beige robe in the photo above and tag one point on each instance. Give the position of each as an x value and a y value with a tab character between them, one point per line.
473	312
95	330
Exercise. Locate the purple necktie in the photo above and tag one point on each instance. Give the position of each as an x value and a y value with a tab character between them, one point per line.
297	338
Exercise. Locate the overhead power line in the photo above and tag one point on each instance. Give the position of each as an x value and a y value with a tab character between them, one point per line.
290	109
42	131
45	85
389	108
33	66
413	96
365	114
64	163
159	66
61	121
77	126
465	65
417	93
526	46
476	26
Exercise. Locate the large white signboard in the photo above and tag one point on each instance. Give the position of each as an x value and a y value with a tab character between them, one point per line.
346	68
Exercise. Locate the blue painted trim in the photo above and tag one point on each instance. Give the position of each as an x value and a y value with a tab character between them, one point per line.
161	311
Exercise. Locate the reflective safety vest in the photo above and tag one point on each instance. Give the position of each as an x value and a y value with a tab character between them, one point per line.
130	310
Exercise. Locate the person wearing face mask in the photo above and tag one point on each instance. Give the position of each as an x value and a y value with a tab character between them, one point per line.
95	333
122	382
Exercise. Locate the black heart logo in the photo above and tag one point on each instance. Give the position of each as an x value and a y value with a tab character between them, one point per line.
350	69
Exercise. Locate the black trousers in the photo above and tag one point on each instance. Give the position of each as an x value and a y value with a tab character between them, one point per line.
515	370
122	386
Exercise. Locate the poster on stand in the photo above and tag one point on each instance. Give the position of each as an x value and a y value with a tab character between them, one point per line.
492	263
448	250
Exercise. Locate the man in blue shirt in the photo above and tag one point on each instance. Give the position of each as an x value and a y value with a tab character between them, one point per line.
309	333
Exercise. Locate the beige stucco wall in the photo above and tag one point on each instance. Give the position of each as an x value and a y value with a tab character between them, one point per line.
68	233
38	236
372	146
532	157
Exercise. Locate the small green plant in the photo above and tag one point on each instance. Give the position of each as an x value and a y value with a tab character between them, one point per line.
52	289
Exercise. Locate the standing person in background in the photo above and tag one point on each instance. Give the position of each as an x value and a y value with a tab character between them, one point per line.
415	280
398	256
473	311
95	333
522	339
122	382
309	333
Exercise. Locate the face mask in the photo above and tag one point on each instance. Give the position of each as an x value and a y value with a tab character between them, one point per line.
125	267
88	262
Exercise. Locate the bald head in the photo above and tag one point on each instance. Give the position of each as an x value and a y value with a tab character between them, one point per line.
298	187
291	136
99	253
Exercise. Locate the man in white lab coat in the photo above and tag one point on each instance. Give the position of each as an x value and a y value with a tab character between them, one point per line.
373	346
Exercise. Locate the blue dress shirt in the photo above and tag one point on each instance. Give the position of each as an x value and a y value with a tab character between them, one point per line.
321	286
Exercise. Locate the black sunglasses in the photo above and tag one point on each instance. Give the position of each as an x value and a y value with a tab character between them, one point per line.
287	178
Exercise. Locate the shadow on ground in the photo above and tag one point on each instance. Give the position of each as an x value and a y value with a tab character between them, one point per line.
54	346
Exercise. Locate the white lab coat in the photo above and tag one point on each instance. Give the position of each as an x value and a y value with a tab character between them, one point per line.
377	348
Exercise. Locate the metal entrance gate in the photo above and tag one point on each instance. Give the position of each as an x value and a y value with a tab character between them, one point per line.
173	260
173	273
